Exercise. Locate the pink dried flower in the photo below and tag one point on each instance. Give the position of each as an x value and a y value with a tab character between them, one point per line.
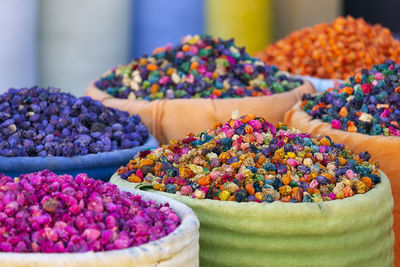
46	212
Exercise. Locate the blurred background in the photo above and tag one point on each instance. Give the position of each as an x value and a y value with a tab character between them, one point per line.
69	43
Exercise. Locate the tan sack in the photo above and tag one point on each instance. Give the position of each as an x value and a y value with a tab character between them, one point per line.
169	119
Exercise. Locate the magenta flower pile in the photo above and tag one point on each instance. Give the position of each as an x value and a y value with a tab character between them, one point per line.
45	212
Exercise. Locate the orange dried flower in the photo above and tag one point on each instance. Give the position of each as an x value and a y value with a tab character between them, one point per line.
336	50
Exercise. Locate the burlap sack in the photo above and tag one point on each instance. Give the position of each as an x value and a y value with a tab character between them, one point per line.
180	248
174	119
383	149
355	231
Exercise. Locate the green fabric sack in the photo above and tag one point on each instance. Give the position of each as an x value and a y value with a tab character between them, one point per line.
355	231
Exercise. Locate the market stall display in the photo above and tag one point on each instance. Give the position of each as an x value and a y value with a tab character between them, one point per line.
363	113
248	159
188	87
48	129
65	221
309	177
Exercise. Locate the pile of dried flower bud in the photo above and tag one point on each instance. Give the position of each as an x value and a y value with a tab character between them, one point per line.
335	50
198	67
46	122
367	103
44	212
249	159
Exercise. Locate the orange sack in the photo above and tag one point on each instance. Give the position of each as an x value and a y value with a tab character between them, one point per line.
169	119
383	149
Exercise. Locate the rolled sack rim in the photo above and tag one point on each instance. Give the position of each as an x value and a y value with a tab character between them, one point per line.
170	244
75	162
327	127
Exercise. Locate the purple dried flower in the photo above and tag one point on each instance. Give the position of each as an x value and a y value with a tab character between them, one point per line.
45	122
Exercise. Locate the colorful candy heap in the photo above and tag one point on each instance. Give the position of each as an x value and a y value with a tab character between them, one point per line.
368	103
249	159
43	212
199	67
335	50
45	122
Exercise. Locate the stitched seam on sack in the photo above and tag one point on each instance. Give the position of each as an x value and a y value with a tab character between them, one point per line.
157	120
214	110
154	113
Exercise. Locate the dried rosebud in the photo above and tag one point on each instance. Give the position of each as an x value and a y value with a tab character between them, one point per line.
44	212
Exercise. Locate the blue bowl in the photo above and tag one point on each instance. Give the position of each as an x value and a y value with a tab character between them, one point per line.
100	166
